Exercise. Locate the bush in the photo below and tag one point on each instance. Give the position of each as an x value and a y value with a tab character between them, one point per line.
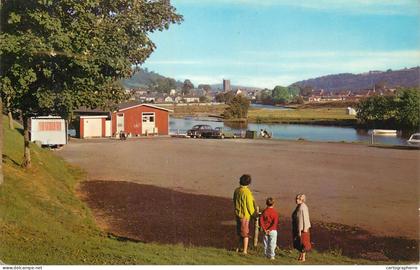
237	108
400	111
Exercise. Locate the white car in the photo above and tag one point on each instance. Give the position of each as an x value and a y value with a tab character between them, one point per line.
414	139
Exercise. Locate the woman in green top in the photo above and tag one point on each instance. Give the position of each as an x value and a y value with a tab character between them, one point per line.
243	202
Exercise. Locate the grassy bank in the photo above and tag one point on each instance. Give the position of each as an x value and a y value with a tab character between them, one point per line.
326	116
44	222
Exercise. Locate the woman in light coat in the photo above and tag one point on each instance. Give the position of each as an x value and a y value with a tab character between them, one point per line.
301	224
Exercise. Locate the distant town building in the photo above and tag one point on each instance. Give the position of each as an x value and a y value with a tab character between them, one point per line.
226	85
172	92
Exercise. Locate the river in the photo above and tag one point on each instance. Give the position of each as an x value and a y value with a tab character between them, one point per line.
290	131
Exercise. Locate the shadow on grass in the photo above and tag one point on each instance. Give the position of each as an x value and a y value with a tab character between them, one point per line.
9	159
134	212
20	130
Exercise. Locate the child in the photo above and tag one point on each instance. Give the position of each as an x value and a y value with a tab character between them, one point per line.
269	221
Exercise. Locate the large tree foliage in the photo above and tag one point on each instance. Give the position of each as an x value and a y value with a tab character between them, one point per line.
408	109
237	108
187	87
163	85
225	97
401	111
60	54
281	94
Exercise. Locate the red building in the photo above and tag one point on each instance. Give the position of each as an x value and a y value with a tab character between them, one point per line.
133	118
140	119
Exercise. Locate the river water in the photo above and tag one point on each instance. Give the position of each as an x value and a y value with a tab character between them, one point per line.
290	131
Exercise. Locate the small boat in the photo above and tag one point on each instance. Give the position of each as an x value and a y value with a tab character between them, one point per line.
414	139
384	132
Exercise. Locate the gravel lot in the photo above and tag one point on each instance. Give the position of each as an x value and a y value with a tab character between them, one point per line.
374	188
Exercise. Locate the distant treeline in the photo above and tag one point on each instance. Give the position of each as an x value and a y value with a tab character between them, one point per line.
401	111
409	77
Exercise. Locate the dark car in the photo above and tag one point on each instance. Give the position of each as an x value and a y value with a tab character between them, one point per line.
200	131
222	133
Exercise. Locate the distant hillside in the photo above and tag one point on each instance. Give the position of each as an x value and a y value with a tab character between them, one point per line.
143	78
348	81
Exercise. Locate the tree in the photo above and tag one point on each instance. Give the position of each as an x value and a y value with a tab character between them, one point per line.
224	97
408	108
280	94
205	87
204	99
305	90
237	108
377	109
60	55
264	97
401	111
187	87
164	85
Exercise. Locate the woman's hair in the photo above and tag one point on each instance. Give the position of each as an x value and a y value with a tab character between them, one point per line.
269	201
245	180
301	197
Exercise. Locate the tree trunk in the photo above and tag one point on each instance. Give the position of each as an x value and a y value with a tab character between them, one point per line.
27	153
9	113
1	142
11	126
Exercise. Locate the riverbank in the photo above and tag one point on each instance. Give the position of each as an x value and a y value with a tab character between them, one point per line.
313	116
326	116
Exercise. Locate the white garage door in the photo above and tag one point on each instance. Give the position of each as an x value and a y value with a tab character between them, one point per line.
92	127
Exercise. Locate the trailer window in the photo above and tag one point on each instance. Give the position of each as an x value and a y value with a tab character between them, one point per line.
49	126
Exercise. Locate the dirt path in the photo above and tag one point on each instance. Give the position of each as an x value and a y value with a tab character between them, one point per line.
373	188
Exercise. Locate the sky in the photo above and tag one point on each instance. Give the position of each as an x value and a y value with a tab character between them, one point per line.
264	43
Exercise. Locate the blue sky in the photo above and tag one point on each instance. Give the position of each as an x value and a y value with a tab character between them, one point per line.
264	43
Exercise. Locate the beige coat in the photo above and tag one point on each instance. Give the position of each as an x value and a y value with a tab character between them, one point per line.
303	220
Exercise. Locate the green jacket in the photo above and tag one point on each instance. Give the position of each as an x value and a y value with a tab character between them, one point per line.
243	202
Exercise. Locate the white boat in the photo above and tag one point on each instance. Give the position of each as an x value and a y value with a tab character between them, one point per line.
384	132
414	139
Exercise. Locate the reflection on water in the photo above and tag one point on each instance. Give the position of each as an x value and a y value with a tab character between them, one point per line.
291	131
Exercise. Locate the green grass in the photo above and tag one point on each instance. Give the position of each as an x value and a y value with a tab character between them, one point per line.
299	115
42	221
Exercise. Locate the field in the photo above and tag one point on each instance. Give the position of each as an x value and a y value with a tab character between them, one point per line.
360	196
327	114
305	115
43	221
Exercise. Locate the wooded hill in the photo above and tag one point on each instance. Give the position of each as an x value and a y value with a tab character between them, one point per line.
408	77
143	78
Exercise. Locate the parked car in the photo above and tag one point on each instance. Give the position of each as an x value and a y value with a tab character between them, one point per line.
414	139
199	131
222	133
